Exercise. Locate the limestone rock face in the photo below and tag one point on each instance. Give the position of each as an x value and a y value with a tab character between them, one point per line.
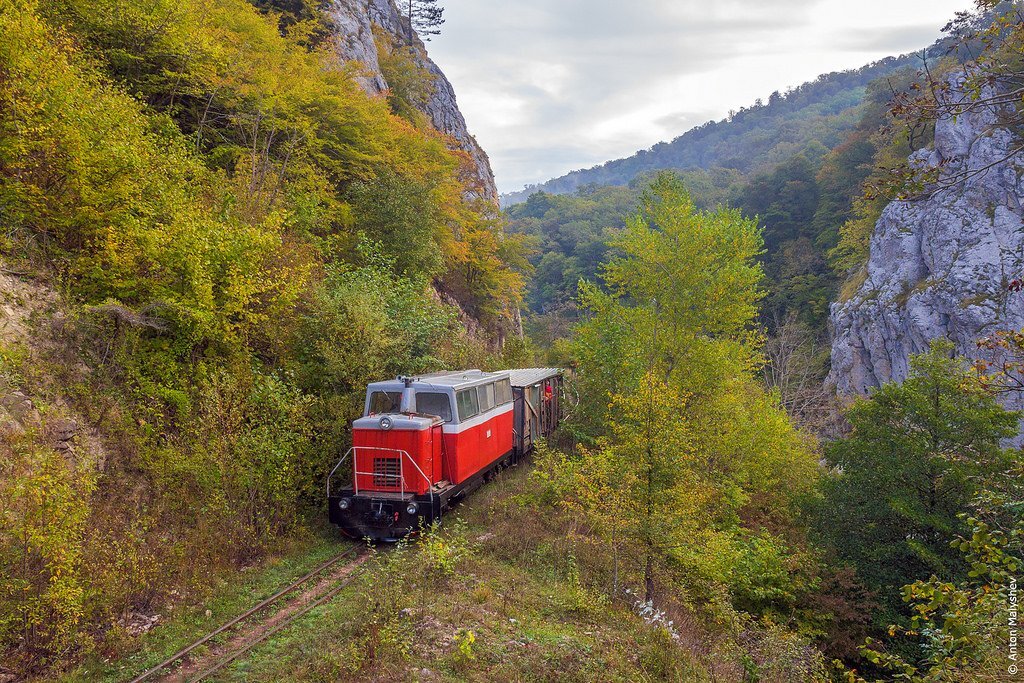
940	265
354	21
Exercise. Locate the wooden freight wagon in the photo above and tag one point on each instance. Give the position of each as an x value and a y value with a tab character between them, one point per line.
537	404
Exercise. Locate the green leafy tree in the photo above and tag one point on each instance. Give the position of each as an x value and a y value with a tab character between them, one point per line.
410	83
691	276
685	443
44	508
642	482
962	627
918	454
399	216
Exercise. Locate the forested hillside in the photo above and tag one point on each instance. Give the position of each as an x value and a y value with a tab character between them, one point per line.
802	205
217	229
816	205
213	239
809	120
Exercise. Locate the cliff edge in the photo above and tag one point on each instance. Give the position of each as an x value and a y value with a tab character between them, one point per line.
939	265
354	21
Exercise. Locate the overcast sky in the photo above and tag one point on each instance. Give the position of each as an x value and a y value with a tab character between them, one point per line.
549	86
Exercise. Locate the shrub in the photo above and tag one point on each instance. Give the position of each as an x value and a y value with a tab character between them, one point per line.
44	508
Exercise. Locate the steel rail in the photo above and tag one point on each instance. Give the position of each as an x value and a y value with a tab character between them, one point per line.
245	615
291	619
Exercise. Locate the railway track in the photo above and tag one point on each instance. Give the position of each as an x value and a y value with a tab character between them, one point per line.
306	593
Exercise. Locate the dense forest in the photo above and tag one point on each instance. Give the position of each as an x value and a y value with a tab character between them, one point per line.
213	239
238	239
808	120
816	214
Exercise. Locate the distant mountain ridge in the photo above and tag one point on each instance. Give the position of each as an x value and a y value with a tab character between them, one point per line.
809	119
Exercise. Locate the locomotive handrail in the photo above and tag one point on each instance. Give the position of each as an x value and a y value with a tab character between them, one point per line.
333	471
400	476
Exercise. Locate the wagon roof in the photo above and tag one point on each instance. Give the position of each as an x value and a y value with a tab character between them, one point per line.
527	377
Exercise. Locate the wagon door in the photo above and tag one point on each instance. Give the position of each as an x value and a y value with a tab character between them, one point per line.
533	408
524	438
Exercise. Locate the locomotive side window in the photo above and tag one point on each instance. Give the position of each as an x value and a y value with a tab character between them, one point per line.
385	402
430	403
502	392
468	403
486	396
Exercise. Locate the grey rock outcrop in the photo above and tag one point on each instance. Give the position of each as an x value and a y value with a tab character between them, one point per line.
354	21
939	266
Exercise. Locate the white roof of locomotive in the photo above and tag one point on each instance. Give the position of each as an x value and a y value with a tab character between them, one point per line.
454	380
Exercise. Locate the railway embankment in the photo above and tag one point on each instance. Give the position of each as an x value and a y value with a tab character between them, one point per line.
498	593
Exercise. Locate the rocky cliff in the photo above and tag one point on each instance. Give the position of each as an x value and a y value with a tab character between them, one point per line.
354	21
939	265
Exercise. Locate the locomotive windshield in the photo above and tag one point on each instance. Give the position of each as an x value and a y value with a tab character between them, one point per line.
427	403
385	402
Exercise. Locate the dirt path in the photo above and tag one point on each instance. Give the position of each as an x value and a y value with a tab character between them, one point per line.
247	634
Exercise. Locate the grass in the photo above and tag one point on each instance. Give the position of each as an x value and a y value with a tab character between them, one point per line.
409	615
189	621
509	589
853	283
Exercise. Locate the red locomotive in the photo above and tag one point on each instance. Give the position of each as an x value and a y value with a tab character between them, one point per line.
424	442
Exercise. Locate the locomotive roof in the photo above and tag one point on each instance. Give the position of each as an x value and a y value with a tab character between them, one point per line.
455	380
527	377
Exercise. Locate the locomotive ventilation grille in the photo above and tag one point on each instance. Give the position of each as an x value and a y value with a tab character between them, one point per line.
387	472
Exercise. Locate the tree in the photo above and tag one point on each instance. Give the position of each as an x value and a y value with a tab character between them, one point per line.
692	275
401	215
642	483
684	443
424	17
795	367
410	83
962	628
990	78
918	454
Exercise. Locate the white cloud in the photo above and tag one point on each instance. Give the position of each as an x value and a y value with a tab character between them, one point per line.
548	86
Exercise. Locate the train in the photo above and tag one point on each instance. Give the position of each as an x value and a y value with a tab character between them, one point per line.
425	442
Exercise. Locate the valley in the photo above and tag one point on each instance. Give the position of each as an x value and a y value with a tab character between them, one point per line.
783	444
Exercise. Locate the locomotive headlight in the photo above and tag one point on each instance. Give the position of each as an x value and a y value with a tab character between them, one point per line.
411	508
344	504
